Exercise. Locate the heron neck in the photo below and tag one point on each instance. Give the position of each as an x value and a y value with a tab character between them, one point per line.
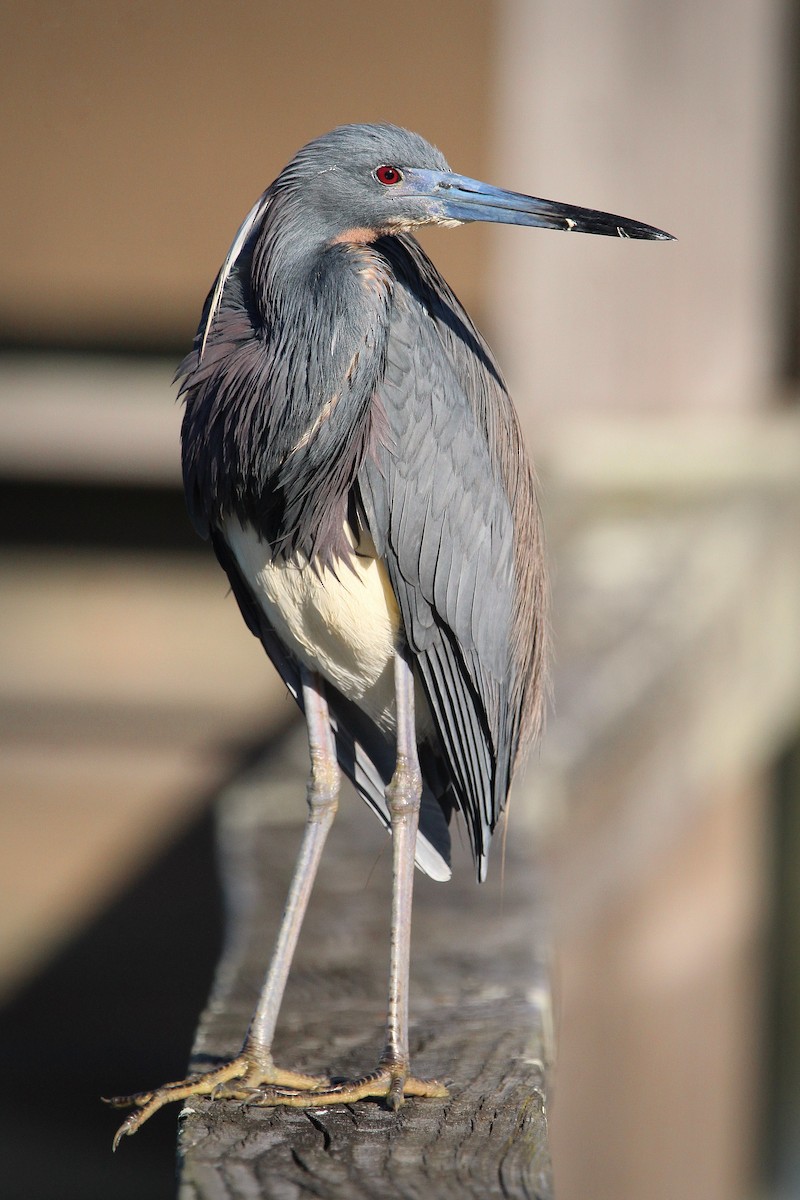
278	422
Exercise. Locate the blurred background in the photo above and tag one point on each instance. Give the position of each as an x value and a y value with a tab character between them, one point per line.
658	389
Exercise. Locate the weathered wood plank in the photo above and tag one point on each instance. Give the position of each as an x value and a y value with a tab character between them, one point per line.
480	1019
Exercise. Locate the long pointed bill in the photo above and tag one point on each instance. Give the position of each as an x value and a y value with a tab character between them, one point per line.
457	198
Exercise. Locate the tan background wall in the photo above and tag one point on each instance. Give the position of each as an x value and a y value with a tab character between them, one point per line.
135	137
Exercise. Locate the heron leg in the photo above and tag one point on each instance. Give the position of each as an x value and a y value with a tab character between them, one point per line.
323	801
403	797
391	1080
253	1067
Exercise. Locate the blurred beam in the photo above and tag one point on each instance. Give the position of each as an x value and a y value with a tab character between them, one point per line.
89	419
129	690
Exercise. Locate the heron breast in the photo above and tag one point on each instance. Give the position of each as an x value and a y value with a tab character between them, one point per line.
343	624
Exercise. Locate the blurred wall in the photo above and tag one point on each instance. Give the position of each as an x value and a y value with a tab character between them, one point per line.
135	137
675	113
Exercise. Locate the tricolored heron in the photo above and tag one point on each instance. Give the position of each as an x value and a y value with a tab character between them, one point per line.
351	451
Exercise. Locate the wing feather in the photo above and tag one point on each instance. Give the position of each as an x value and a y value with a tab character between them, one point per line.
440	514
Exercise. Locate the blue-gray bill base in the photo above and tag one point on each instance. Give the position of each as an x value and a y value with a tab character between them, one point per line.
352	454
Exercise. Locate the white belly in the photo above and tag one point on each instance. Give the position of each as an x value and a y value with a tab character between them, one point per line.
346	625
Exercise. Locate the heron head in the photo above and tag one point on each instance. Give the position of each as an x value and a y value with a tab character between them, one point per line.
365	181
357	181
361	182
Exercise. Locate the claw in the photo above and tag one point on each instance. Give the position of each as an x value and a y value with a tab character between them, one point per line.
238	1079
129	1127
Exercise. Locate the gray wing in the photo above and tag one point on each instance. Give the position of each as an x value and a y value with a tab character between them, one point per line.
440	515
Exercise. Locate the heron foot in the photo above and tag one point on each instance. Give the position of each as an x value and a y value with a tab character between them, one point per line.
240	1079
389	1082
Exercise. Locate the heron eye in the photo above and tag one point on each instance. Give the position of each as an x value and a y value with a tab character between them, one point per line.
388	175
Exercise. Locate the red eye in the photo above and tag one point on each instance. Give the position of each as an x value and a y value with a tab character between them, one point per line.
388	175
